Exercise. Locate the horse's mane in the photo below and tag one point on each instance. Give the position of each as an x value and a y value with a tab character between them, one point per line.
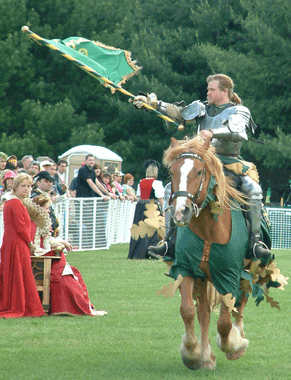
226	194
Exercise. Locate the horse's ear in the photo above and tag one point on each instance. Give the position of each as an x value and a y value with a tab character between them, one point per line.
174	142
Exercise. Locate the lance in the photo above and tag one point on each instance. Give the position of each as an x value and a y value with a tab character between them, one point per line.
94	73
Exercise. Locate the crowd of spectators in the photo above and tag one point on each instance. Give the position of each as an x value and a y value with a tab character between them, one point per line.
50	178
28	190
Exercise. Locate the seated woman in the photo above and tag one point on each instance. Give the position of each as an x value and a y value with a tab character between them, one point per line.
128	189
19	296
69	295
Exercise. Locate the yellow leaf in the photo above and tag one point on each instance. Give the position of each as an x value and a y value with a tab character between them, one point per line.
170	290
246	262
254	266
246	286
134	231
153	223
229	301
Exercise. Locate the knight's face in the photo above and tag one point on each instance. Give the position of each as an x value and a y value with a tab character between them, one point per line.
214	94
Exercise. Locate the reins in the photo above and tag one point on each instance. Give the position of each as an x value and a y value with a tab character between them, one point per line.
186	194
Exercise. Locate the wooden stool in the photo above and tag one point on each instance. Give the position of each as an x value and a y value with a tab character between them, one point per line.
41	269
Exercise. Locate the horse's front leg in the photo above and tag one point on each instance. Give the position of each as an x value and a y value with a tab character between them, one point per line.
190	349
239	318
229	339
203	313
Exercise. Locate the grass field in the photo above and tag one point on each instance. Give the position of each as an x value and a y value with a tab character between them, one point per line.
141	335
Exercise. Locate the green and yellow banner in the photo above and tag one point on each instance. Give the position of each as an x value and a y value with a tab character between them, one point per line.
112	67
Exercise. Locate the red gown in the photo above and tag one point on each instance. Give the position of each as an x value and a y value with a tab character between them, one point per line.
69	293
18	294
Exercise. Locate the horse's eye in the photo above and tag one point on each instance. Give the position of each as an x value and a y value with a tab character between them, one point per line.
200	172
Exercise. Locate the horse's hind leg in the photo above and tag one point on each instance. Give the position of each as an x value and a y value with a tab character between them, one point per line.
229	339
203	313
190	349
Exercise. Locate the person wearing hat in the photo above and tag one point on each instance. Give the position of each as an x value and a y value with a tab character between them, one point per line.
43	185
3	159
117	179
7	177
12	159
148	188
46	164
11	163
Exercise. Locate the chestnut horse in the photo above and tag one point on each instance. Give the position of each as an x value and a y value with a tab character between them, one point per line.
212	242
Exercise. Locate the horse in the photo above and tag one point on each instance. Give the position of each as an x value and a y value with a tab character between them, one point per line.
212	242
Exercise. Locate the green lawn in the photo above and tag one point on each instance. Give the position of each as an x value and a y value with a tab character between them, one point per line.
141	335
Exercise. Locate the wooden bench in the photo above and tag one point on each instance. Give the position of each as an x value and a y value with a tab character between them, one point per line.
41	269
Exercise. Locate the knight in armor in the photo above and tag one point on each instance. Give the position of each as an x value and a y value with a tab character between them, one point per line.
226	123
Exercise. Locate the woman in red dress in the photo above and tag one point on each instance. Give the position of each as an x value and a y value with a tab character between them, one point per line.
69	295
18	293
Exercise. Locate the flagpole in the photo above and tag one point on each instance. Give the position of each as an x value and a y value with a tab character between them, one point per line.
92	72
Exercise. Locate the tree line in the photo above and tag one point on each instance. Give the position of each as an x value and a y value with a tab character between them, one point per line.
48	105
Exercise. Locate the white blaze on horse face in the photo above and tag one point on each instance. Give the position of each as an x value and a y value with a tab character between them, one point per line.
181	201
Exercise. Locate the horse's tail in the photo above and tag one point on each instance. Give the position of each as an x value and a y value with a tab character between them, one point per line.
214	298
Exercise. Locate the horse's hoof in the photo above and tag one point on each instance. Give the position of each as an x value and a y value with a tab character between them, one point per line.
209	364
191	363
190	354
235	355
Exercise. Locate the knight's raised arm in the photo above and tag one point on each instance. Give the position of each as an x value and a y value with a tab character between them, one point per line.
150	99
173	110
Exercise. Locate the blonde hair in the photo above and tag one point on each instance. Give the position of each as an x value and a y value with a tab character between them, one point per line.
225	82
19	179
152	171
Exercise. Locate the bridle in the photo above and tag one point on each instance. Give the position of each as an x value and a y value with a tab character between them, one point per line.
186	194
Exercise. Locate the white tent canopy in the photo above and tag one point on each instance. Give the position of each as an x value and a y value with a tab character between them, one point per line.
75	157
97	151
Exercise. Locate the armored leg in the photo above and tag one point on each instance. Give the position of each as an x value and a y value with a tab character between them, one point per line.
254	215
165	247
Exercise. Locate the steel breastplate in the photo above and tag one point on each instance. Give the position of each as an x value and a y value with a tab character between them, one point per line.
207	122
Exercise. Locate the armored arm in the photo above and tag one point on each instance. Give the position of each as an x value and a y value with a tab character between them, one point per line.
176	111
235	125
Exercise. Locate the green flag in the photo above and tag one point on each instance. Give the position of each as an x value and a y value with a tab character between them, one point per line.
111	63
113	68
